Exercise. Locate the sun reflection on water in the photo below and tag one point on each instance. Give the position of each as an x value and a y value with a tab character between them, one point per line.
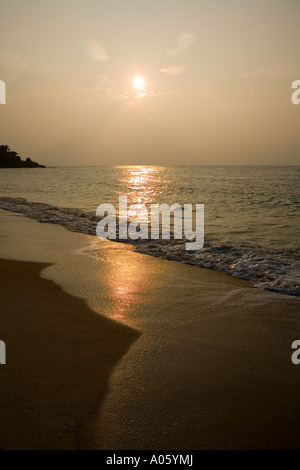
143	184
125	278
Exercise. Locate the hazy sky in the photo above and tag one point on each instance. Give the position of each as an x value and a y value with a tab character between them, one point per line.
217	75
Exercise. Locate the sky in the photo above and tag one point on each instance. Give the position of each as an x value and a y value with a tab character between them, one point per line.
217	81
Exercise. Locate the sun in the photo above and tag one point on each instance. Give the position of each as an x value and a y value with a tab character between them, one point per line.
139	83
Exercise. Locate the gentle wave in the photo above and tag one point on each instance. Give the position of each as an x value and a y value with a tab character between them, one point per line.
273	270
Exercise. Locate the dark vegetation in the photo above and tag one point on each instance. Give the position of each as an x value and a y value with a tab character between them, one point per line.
9	159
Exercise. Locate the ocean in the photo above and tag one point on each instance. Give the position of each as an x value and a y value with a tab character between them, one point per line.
251	213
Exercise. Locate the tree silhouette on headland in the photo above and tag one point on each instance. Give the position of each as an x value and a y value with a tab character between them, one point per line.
9	159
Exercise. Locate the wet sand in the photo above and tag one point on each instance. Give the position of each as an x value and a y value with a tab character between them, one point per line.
60	355
171	356
212	369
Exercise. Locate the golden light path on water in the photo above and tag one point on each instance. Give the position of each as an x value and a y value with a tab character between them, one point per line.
126	278
143	183
126	274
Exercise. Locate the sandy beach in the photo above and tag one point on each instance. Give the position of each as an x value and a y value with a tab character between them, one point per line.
149	227
59	359
112	349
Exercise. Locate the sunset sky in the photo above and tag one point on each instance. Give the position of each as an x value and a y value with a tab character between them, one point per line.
217	81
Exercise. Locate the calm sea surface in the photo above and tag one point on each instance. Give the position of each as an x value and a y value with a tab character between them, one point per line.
251	213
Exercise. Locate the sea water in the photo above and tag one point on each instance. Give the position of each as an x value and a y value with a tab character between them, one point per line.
251	213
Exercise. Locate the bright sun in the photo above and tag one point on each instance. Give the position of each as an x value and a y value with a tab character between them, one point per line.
139	83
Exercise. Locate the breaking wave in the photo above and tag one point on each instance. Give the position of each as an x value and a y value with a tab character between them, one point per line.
277	270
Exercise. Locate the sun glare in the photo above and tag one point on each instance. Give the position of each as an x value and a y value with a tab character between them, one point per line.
139	83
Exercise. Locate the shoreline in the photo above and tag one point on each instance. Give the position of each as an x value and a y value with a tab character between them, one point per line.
60	356
275	271
193	359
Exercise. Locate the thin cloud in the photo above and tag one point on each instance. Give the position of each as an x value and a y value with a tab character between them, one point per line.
184	42
96	52
91	81
173	70
13	63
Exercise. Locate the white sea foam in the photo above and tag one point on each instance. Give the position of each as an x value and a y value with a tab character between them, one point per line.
277	270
